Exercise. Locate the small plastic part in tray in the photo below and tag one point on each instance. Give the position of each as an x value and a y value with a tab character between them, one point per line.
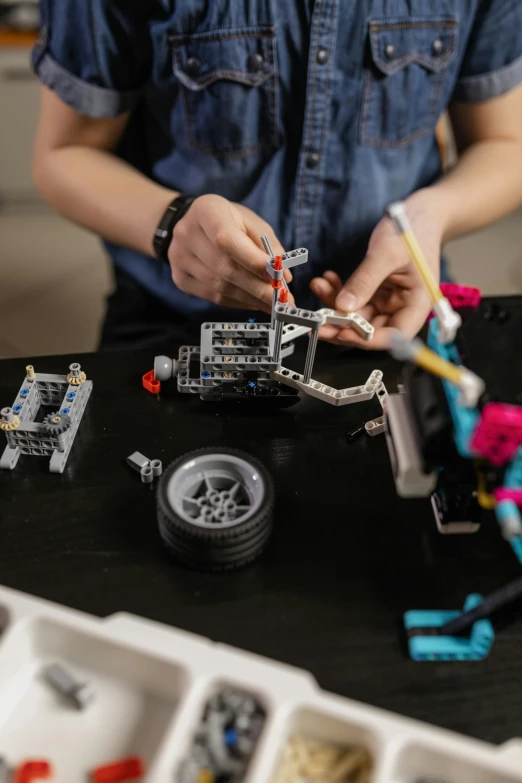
152	685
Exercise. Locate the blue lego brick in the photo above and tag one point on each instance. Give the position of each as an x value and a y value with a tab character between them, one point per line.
449	648
464	419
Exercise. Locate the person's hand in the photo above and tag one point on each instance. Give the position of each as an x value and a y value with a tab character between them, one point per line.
386	289
216	254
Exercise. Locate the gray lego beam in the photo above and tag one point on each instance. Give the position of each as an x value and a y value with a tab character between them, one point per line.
59	458
9	458
295	315
327	393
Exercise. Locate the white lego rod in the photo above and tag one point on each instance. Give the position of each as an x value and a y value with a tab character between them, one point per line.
449	320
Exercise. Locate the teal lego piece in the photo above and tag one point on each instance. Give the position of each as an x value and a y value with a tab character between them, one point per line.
513	477
476	647
464	419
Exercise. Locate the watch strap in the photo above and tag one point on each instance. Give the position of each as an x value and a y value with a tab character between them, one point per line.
173	214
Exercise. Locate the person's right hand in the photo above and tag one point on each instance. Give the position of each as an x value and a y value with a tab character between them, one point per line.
216	254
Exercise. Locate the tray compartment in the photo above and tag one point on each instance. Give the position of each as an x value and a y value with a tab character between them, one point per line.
319	746
136	695
417	762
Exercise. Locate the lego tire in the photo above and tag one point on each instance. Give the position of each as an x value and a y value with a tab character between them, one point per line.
214	509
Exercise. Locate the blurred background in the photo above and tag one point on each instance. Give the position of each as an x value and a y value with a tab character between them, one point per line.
54	276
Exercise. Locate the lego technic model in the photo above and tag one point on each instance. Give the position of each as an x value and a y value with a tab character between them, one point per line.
447	440
53	436
241	360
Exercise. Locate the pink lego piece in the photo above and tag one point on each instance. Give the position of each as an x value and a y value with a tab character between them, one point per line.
499	433
460	296
508	493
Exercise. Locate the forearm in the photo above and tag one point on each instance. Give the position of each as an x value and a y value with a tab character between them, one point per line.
485	185
98	191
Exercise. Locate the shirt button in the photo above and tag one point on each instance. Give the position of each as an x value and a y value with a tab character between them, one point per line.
322	57
390	50
312	160
193	66
437	46
255	61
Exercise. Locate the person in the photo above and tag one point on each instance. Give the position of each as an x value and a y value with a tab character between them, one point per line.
301	120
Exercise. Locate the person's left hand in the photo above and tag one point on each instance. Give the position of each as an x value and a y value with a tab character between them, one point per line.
386	288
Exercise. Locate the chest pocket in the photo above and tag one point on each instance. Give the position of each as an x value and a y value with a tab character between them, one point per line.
228	83
405	81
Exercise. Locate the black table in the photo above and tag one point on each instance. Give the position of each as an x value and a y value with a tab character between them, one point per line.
347	558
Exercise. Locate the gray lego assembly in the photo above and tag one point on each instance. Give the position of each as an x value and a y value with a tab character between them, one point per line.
66	395
243	359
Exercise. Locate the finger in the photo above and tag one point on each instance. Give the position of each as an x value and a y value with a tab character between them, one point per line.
324	291
192	277
328	333
222	266
327	287
360	287
334	279
220	224
411	319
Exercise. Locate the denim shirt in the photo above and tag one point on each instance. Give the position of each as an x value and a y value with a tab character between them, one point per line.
315	115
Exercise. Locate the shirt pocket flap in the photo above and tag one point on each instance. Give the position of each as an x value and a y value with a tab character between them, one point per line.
243	55
428	41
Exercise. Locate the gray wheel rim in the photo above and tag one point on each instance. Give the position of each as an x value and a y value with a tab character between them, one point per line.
215	490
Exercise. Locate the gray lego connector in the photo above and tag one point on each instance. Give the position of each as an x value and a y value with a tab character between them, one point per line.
5	772
164	368
137	461
157	467
78	693
147	468
147	474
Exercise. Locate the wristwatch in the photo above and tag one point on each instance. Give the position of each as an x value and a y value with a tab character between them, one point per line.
165	229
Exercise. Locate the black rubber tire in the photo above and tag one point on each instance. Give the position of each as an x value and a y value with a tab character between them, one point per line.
215	549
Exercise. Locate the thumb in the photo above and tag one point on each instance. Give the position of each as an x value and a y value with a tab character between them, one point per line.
361	286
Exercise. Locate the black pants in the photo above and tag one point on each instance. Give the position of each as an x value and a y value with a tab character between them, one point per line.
137	320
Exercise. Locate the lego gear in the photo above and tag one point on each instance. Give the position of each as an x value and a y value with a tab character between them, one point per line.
75	380
214	509
9	421
56	423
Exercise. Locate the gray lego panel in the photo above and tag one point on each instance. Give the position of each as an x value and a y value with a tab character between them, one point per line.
410	478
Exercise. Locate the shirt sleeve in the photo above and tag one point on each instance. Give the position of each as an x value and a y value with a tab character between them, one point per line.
95	55
492	62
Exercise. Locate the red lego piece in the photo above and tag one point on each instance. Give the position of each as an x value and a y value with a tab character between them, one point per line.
31	771
276	284
460	296
283	295
498	434
120	771
150	383
278	263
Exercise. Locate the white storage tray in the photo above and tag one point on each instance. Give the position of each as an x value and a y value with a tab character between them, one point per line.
152	682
